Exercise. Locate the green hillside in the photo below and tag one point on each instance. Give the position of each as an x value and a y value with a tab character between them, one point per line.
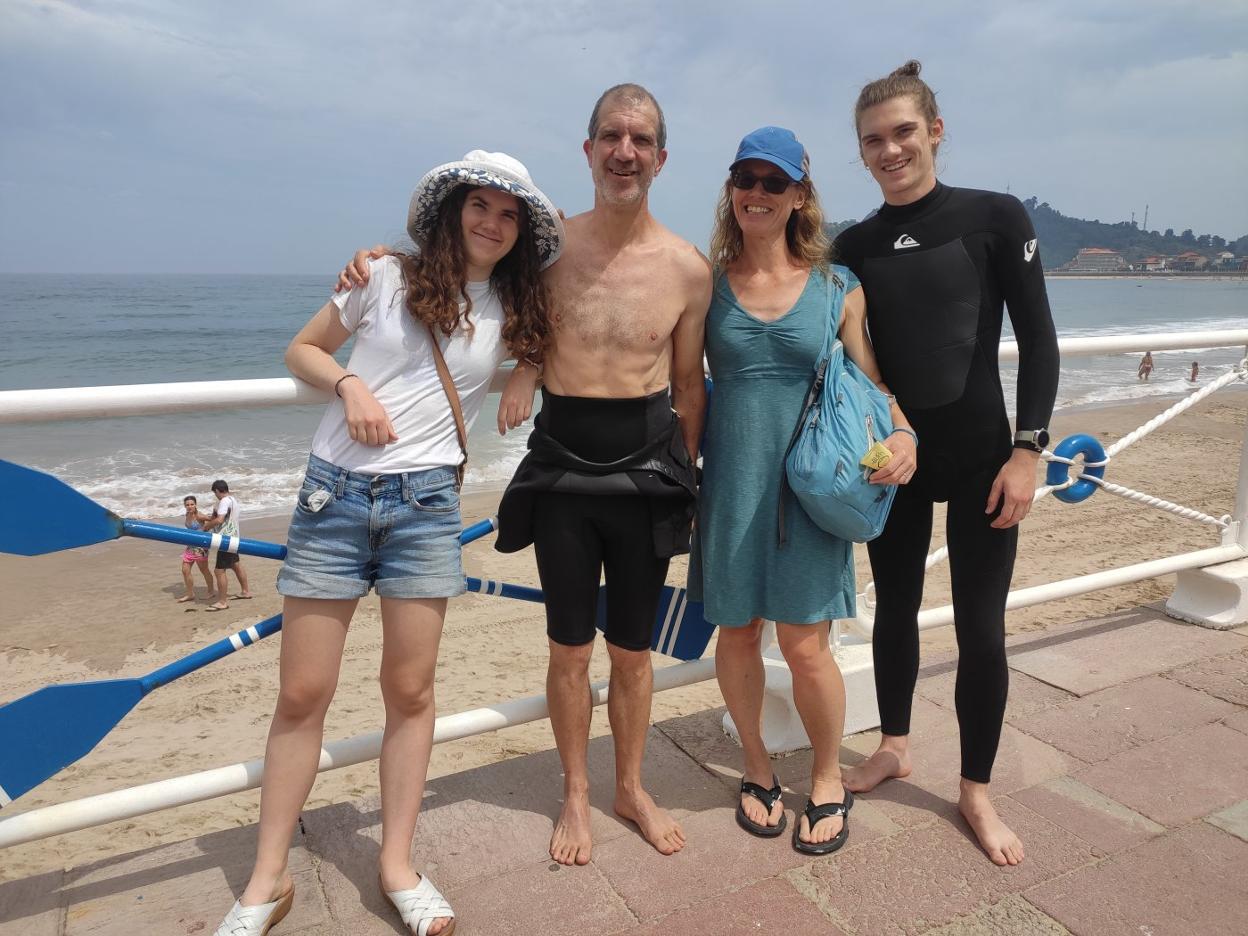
1062	237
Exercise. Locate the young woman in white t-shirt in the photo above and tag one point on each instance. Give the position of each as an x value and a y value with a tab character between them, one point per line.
379	506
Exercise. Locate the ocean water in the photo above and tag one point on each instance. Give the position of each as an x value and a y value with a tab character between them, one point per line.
75	331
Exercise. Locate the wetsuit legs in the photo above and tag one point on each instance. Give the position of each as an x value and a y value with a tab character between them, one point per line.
897	558
981	563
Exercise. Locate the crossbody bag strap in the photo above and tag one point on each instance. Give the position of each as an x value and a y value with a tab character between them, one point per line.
812	395
452	396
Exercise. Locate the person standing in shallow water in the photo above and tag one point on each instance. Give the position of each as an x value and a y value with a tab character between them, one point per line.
950	259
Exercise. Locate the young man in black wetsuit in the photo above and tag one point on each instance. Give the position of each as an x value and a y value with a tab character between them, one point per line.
938	264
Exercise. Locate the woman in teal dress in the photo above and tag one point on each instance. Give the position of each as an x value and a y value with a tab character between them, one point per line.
764	331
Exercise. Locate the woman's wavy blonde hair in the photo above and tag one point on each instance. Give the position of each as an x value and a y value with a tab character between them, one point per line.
804	233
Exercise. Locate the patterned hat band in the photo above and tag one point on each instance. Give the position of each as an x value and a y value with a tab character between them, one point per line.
488	170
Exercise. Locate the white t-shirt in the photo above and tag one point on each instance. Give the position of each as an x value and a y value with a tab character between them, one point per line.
393	357
227	507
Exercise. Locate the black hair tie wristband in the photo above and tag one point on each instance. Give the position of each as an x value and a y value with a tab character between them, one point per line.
340	380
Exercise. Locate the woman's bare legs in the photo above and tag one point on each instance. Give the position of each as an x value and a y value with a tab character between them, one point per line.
189	594
313	634
413	628
739	669
819	694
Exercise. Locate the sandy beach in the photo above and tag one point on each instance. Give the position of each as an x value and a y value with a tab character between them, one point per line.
108	611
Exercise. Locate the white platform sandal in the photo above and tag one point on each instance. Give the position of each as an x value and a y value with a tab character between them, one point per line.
255	920
420	906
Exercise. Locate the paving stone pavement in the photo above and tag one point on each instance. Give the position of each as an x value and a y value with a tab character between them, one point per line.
1123	766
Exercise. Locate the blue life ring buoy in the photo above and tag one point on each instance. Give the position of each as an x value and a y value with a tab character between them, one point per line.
1059	472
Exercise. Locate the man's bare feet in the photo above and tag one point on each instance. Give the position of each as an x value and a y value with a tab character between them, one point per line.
571	842
657	827
890	760
1000	843
753	808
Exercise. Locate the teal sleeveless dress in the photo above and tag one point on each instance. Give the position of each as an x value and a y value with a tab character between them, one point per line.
761	372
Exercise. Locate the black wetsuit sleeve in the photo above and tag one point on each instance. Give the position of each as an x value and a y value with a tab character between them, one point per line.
1020	277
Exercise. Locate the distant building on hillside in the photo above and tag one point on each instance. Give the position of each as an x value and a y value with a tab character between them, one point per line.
1151	264
1188	262
1097	260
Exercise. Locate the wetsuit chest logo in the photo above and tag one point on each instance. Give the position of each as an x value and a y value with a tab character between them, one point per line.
1029	250
904	241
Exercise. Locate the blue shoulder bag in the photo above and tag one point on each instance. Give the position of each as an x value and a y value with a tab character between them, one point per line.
843	416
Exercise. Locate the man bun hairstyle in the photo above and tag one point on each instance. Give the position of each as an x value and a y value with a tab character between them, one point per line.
900	82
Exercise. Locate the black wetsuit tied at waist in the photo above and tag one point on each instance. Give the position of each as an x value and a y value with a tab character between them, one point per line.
937	273
604	447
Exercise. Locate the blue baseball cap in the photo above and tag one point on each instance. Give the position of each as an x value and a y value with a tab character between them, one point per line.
777	146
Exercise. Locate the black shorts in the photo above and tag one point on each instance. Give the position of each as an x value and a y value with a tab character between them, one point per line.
577	537
225	560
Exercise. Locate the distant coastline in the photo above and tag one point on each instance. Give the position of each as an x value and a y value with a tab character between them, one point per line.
1142	275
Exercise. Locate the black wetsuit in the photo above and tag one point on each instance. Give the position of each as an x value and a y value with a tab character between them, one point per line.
937	274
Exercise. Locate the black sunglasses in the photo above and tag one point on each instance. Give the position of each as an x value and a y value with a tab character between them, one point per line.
772	184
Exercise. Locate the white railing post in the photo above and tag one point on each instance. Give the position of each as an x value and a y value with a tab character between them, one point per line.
1217	596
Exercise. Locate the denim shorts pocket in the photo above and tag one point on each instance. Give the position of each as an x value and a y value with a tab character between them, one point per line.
443	499
313	497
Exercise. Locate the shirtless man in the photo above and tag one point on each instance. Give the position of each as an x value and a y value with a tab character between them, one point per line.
630	301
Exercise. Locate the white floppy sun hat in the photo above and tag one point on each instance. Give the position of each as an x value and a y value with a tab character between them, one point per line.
492	170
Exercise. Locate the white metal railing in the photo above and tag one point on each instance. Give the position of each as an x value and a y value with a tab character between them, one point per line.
18	406
101	402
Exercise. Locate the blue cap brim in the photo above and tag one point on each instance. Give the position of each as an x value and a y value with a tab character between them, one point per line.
793	172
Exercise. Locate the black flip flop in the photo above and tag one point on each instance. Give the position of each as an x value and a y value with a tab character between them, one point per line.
768	798
813	814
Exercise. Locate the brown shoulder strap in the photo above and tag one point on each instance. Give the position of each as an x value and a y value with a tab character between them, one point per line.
452	396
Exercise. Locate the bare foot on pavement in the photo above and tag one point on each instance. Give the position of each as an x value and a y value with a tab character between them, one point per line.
1000	843
657	827
571	842
890	761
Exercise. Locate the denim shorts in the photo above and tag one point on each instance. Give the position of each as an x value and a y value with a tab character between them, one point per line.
398	533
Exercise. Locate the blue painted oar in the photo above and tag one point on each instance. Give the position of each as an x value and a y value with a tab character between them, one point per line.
46	731
46	515
680	630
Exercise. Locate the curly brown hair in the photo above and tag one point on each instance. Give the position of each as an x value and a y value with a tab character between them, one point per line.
435	277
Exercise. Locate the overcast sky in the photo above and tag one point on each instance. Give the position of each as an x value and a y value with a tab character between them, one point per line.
153	135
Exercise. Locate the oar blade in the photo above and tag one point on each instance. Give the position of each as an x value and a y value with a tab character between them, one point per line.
680	630
46	731
45	515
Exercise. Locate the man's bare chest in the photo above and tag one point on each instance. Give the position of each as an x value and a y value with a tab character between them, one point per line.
631	309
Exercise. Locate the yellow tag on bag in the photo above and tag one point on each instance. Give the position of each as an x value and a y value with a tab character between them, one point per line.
876	458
